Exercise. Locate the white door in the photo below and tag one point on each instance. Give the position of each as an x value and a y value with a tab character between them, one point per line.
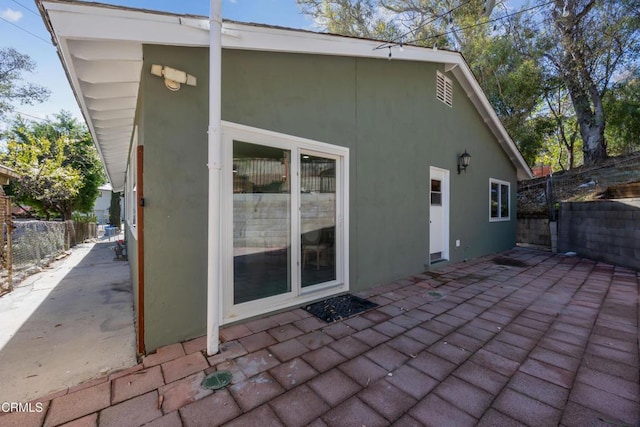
438	215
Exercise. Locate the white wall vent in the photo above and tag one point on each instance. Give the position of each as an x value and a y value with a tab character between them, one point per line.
444	89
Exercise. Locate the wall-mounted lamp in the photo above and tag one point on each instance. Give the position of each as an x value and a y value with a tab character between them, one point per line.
173	78
463	162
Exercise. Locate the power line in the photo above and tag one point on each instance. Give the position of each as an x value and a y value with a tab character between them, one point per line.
490	21
29	115
25	30
433	19
26	8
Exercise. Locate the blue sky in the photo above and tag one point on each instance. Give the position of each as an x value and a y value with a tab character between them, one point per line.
33	39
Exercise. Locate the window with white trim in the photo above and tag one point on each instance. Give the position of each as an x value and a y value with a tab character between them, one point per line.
131	200
499	200
444	89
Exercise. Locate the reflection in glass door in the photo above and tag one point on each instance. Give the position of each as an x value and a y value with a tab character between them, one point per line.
317	219
261	221
285	212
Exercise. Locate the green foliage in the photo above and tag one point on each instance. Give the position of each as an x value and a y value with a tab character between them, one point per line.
58	165
622	107
533	135
563	148
114	210
586	43
84	217
358	18
12	87
511	81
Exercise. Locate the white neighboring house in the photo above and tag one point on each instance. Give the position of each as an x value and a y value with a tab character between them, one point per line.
103	202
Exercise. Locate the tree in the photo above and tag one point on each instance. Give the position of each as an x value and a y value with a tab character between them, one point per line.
12	89
622	110
587	42
565	130
59	168
358	18
114	210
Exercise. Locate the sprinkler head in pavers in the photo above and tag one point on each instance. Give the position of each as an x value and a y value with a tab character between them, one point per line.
435	294
217	380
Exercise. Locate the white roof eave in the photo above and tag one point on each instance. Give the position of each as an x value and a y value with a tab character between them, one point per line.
85	38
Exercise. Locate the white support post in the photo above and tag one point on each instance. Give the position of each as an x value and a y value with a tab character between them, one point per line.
214	164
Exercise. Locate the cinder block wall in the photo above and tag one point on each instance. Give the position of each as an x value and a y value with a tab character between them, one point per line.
534	231
603	230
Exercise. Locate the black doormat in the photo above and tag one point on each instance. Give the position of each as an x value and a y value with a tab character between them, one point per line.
339	308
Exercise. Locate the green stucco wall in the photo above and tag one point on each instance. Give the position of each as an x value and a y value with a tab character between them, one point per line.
175	190
132	257
387	114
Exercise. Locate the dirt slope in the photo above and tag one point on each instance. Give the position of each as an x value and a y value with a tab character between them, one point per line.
580	184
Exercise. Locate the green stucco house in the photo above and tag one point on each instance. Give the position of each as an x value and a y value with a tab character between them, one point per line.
264	168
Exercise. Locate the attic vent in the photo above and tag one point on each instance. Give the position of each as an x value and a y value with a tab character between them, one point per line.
444	89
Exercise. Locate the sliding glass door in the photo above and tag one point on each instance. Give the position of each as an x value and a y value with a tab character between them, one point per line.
285	238
317	219
261	221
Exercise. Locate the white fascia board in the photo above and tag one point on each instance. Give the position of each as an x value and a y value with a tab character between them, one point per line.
75	21
96	23
251	37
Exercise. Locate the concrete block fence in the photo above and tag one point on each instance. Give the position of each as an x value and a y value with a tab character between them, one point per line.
605	230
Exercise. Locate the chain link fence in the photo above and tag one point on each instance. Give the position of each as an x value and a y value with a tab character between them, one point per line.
35	244
6	264
26	246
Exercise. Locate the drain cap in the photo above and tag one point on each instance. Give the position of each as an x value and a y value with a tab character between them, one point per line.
217	380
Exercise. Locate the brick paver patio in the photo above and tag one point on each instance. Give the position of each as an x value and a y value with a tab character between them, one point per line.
553	341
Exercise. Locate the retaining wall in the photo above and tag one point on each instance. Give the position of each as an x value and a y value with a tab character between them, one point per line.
262	220
605	230
534	231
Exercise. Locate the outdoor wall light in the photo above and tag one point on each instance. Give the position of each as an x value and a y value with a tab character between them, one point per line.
463	162
173	78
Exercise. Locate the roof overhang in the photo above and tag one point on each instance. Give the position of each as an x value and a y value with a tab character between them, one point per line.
6	173
100	47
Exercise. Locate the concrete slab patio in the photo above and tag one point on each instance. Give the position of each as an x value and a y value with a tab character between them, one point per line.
522	338
69	323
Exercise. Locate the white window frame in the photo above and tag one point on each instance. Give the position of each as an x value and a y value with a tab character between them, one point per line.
500	184
298	295
132	176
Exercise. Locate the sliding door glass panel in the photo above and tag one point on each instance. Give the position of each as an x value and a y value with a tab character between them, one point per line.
261	221
317	219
